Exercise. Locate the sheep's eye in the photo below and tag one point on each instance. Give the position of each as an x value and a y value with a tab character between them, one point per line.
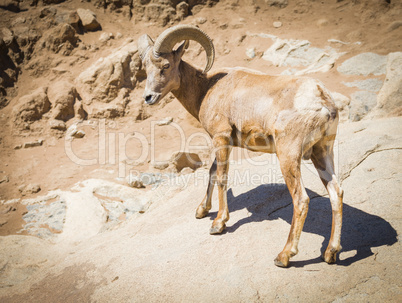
166	66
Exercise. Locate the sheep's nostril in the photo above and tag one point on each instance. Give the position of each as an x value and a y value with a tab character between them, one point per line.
148	98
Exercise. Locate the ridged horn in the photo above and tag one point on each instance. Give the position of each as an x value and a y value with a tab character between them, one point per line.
144	43
168	39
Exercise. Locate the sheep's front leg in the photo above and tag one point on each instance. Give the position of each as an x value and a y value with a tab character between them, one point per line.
205	205
223	148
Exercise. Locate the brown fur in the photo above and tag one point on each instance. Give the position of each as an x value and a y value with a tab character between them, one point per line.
292	117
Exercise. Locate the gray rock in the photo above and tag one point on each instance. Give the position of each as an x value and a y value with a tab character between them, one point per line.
372	85
364	64
149	178
250	52
360	104
88	19
44	219
299	53
277	3
389	100
123	199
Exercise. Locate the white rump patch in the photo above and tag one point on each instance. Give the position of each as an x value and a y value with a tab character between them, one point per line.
308	97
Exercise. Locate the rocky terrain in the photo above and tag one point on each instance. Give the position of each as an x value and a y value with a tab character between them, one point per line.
98	191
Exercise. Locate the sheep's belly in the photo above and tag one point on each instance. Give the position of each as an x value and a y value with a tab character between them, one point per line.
257	142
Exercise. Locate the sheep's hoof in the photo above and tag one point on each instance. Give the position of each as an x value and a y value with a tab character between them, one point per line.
330	256
282	261
215	230
201	213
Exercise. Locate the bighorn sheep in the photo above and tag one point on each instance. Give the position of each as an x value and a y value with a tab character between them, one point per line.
293	117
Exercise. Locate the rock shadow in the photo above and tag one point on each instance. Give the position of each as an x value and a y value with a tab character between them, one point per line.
361	231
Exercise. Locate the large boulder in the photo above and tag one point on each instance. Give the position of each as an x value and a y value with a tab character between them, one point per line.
106	77
361	103
300	53
8	73
31	107
61	39
11	5
364	64
62	95
88	19
389	99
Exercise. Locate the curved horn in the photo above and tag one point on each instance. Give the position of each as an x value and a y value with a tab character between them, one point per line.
168	39
144	44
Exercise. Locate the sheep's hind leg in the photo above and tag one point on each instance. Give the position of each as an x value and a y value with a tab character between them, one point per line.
222	145
290	167
323	159
205	206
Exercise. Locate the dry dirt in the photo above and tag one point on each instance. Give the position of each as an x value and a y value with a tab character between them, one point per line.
165	255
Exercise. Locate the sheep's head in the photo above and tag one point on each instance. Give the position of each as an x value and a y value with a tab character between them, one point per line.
161	62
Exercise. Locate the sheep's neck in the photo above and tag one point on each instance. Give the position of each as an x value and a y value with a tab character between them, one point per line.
193	86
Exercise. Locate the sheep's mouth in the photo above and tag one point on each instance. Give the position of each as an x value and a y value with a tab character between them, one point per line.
152	99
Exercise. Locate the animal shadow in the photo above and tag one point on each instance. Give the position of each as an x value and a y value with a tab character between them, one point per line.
360	230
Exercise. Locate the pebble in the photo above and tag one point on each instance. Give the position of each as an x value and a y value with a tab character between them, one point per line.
5	179
186	171
73	132
57	124
29	189
322	22
250	52
277	24
165	121
33	143
78	134
161	165
134	181
104	37
201	20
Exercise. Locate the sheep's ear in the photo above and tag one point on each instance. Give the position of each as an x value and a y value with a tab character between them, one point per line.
181	49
